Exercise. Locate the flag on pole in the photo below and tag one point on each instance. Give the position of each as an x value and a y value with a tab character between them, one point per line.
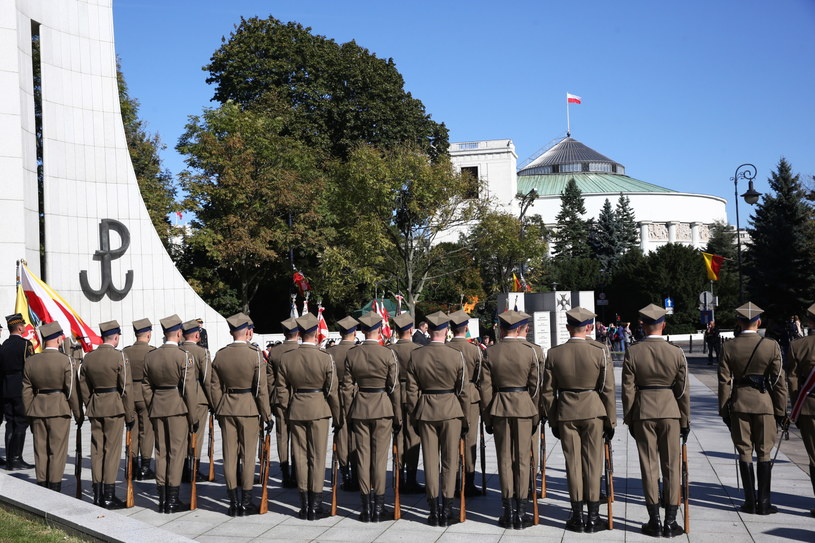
301	283
293	314
516	284
807	389
305	304
573	99
713	263
322	327
31	322
399	300
379	308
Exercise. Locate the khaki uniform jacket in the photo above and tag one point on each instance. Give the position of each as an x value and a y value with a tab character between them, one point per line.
653	362
50	370
578	365
135	355
273	367
403	349
473	359
203	371
169	366
437	367
338	352
107	367
309	368
370	365
510	363
733	367
240	366
802	360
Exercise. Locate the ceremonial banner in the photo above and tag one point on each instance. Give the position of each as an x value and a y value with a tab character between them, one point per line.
713	263
30	331
322	327
806	390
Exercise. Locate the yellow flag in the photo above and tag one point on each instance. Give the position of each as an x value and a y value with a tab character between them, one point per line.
21	307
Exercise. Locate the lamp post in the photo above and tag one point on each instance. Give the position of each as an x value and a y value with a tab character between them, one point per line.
748	172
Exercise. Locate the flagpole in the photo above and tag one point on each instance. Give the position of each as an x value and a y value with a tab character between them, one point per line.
568	120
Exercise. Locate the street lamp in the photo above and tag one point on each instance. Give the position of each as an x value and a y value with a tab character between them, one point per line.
748	172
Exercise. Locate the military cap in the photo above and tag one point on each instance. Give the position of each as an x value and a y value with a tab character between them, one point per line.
238	321
512	319
749	312
370	321
110	328
348	325
811	311
171	323
51	330
579	316
142	325
200	321
652	314
459	318
14	320
403	321
251	324
289	325
438	320
191	327
307	323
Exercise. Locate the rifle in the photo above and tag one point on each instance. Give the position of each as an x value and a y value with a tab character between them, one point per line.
335	463
609	483
397	500
543	462
784	435
129	500
211	450
483	452
193	473
462	516
685	486
78	465
264	474
533	473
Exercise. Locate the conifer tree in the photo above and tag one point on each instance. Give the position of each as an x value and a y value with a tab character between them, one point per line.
605	238
572	237
627	224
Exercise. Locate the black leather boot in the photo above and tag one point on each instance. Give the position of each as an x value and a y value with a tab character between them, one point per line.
56	487
378	513
162	497
433	506
470	490
520	519
345	472
185	473
412	485
354	470
315	508
246	507
174	504
110	499
97	494
446	512
16	461
748	480
812	479
575	520
653	527
288	481
593	523
135	465
365	511
292	475
763	503
145	473
303	513
505	521
671	528
232	494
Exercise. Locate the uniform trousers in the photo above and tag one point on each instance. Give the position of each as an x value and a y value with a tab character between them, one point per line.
471	439
806	423
106	448
282	434
409	442
750	431
16	421
172	441
582	443
372	438
440	440
201	416
240	441
513	446
145	438
659	451
50	447
309	439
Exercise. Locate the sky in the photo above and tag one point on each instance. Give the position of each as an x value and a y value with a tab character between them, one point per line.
680	93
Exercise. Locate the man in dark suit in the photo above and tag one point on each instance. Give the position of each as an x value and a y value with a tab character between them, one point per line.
13	353
420	335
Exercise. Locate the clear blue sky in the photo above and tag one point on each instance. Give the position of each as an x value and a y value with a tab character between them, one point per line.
681	93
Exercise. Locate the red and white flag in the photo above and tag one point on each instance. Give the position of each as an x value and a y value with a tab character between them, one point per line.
322	327
803	393
573	99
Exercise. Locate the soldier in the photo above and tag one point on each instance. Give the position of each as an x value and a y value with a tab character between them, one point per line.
292	335
203	376
345	455
578	400
437	399
307	385
371	392
459	323
523	333
752	400
656	408
49	398
106	386
509	399
408	439
144	438
13	354
802	365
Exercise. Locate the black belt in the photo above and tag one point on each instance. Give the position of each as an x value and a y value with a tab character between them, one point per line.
103	390
138	380
513	389
447	391
169	387
49	390
372	390
238	390
575	389
201	380
654	387
757	382
308	390
403	380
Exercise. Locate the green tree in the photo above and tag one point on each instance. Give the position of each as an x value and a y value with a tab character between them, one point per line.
779	259
604	239
572	237
342	95
627	224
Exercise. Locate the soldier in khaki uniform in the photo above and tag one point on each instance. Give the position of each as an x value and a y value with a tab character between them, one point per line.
802	364
408	441
240	397
459	324
106	386
144	439
307	387
523	333
656	408
203	376
292	334
578	400
509	398
752	400
345	453
437	400
370	390
49	397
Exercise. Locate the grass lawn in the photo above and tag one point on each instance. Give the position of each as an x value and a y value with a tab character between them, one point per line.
16	527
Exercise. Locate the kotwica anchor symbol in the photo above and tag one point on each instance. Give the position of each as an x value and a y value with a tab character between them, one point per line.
105	254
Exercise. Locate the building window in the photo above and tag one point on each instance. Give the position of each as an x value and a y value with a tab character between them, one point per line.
470	174
468	145
599	167
570	167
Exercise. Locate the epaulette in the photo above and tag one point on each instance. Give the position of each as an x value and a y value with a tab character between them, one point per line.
253	347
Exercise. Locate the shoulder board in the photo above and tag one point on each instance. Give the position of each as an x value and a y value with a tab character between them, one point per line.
222	349
253	347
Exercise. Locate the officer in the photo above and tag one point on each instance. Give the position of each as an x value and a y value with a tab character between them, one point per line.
459	324
106	386
307	385
656	408
509	398
578	400
203	376
240	396
437	399
348	329
144	438
50	397
13	354
802	366
292	335
371	393
407	440
752	400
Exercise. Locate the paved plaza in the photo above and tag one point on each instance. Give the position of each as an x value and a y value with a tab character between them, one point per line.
713	512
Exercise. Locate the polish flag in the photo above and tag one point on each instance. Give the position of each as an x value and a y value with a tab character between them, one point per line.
322	327
573	99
